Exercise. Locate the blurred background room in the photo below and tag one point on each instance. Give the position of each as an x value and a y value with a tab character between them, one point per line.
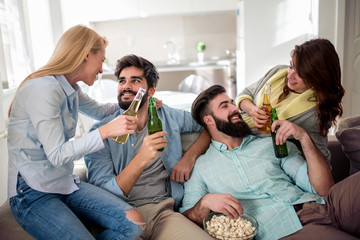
193	43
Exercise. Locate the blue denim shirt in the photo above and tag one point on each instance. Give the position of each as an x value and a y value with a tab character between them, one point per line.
43	119
104	165
266	186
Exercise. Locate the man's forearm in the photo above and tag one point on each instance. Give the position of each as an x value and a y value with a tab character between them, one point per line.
318	169
198	212
129	175
200	145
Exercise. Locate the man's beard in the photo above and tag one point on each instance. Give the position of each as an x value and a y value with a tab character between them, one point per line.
126	104
237	129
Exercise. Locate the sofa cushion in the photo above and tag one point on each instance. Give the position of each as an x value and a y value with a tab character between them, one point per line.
187	140
9	228
348	135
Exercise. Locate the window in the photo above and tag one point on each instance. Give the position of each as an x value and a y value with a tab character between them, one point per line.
15	63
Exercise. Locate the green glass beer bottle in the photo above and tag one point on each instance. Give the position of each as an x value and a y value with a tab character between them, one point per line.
131	111
280	150
154	122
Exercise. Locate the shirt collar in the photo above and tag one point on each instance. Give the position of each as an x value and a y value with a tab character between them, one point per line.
222	147
68	89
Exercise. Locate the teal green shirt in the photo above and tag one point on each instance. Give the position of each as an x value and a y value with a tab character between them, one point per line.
266	186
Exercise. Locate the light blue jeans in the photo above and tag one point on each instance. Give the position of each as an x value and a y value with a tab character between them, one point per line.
57	216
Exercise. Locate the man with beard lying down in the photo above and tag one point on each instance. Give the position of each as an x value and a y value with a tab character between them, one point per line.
240	173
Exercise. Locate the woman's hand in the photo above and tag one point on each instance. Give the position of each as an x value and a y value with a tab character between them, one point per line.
119	126
260	116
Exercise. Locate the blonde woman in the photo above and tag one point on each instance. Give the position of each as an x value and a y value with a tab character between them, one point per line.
45	198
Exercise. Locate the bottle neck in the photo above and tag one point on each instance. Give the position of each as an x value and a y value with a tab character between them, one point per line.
266	100
152	108
152	111
267	93
273	117
267	88
134	106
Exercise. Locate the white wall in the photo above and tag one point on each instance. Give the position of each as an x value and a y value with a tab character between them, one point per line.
273	27
41	30
351	64
86	11
270	31
147	36
4	154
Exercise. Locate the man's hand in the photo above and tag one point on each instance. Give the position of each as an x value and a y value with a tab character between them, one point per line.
127	178
150	146
318	169
286	130
182	169
217	202
224	203
158	103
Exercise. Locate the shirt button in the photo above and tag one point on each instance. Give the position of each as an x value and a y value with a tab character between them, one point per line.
132	144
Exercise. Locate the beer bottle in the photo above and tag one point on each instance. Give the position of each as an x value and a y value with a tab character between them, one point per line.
280	150
266	107
154	122
131	111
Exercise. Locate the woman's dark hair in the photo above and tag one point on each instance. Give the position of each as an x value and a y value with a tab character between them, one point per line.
317	63
200	106
150	73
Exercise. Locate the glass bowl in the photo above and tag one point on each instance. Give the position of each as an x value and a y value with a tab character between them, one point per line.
245	216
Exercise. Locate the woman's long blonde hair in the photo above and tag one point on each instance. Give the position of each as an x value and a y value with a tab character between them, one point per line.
70	51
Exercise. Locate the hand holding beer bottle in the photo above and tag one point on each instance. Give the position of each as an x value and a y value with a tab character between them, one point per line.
266	106
280	150
131	111
154	122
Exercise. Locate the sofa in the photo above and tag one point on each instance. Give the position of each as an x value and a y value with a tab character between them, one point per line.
345	160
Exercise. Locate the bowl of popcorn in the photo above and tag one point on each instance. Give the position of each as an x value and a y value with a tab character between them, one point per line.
220	226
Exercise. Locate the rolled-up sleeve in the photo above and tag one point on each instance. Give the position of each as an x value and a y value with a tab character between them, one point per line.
296	168
101	169
51	130
252	91
195	189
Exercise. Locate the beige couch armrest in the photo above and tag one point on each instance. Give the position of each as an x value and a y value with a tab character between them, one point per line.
187	140
9	228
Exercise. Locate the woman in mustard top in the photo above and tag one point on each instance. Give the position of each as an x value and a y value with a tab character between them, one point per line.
307	93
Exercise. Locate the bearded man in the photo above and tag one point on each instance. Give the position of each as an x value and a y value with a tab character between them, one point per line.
240	173
148	179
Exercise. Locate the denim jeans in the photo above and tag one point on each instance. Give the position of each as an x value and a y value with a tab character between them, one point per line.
58	216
